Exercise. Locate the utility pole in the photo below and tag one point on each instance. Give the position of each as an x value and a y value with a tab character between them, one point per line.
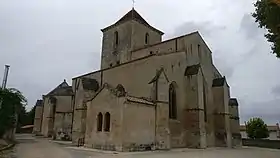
5	78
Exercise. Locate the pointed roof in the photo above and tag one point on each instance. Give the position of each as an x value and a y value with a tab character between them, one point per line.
233	102
218	82
133	15
192	70
39	103
119	92
158	75
112	90
62	89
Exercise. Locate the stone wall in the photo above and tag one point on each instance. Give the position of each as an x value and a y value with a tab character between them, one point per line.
79	106
223	133
48	116
234	122
173	56
104	102
131	35
138	127
63	126
162	126
38	119
138	36
264	143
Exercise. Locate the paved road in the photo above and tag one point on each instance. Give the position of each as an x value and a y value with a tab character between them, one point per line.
30	147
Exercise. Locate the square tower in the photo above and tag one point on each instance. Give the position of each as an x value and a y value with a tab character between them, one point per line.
129	33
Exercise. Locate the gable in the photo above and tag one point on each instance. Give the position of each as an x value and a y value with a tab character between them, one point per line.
119	91
132	15
159	74
62	89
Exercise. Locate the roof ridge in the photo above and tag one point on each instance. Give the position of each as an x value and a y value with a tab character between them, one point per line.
132	15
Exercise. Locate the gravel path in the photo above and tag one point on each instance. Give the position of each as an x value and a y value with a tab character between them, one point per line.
30	147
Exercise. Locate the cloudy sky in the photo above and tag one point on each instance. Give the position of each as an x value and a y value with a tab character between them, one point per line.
50	40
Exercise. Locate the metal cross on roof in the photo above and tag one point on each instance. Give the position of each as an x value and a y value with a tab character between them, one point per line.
133	3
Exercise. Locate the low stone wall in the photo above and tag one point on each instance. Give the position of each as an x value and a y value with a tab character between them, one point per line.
5	145
263	143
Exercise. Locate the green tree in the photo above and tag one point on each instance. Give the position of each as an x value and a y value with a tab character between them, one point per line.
12	102
256	128
267	15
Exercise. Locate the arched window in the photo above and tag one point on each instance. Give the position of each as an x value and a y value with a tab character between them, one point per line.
99	121
147	38
204	101
107	122
116	38
172	101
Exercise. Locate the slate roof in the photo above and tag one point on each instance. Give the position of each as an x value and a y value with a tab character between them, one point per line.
90	84
62	89
218	82
192	70
233	102
158	75
133	15
39	103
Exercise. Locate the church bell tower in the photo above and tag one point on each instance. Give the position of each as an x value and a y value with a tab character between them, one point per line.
127	34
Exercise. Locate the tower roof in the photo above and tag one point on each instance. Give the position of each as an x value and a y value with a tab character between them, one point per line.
133	15
61	89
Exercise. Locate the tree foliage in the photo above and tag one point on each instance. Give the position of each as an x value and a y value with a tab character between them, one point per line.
267	15
12	102
25	118
256	128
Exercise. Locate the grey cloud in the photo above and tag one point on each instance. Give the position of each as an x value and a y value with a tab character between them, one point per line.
250	27
268	110
276	90
242	55
207	28
44	46
48	41
208	31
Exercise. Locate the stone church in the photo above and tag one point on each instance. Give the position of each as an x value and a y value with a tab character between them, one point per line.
152	94
53	115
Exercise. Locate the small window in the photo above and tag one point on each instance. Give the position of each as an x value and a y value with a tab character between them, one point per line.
147	38
176	45
151	52
172	101
107	122
111	65
116	38
118	62
204	102
99	122
199	50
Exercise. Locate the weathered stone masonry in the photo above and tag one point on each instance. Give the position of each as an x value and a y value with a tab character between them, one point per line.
150	94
